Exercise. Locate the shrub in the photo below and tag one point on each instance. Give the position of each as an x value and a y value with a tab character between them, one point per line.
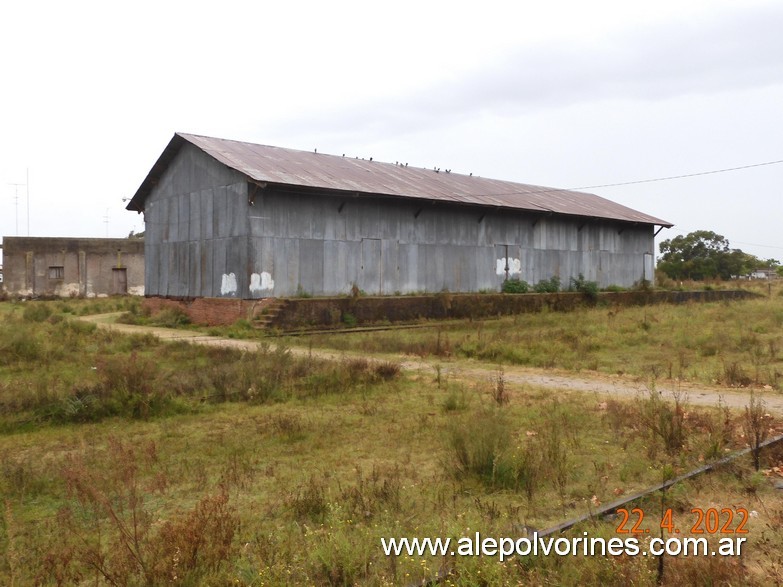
134	546
515	286
22	344
349	319
386	370
664	420
499	391
734	375
127	387
36	312
480	446
551	285
302	292
309	501
171	318
456	400
583	286
129	318
756	425
375	493
200	540
615	288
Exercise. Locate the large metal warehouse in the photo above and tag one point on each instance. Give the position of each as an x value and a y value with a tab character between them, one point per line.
232	219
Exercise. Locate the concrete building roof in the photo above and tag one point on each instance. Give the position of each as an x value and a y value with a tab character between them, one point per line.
277	166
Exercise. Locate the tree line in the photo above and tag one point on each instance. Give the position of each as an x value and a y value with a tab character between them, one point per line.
703	254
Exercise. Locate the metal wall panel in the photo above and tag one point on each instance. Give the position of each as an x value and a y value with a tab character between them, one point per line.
194	220
220	225
205	214
408	257
220	271
206	283
439	248
194	265
311	265
184	213
340	266
286	265
390	267
371	266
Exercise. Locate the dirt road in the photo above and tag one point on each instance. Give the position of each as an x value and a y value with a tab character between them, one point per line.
468	370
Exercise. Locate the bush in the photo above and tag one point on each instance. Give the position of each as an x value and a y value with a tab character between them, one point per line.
135	546
171	318
665	421
387	370
36	312
349	319
583	286
515	286
551	285
22	344
482	449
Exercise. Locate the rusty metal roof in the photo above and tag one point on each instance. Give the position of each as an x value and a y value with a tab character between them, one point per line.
275	165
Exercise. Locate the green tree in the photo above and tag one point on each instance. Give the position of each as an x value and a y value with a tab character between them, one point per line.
704	254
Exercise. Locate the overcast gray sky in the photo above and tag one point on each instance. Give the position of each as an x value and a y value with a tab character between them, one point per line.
560	93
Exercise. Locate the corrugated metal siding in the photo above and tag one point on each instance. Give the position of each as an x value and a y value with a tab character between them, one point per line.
196	226
391	250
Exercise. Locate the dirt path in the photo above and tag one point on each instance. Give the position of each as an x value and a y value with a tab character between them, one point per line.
472	371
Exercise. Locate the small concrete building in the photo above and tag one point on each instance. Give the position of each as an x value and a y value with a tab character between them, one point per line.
85	267
232	219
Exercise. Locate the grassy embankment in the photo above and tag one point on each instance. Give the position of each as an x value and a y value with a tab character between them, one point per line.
733	344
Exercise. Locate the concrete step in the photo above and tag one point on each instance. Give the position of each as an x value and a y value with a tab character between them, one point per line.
267	316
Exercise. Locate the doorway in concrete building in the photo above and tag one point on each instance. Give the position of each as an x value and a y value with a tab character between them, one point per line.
119	281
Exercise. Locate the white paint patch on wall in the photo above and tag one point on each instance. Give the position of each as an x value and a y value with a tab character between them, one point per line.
67	290
228	285
514	266
261	282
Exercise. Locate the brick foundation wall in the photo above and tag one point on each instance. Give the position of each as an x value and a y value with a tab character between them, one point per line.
335	312
209	311
332	312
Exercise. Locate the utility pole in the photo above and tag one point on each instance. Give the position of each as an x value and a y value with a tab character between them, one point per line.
27	179
16	204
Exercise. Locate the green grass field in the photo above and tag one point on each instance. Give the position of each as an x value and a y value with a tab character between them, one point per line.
125	460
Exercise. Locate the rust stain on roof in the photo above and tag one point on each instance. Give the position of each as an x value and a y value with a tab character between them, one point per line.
291	167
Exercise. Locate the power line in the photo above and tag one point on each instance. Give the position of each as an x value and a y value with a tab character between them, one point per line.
685	231
638	181
758	245
609	185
